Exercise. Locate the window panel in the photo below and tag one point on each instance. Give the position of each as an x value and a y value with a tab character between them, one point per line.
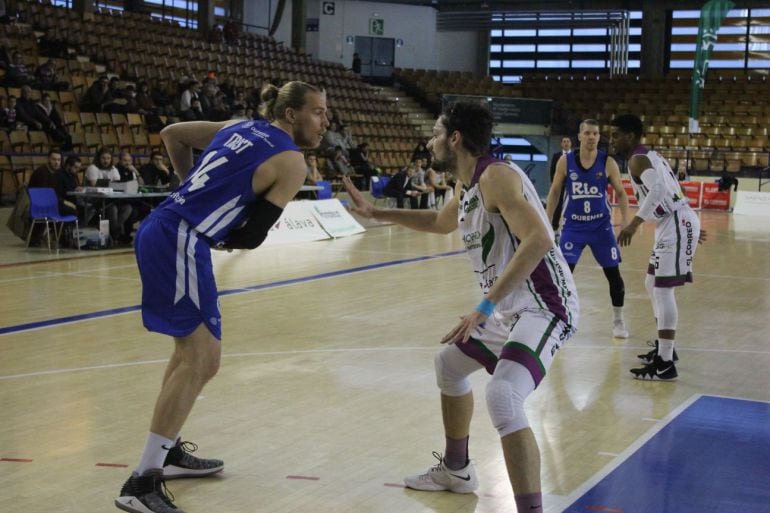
590	64
520	33
589	48
519	48
552	64
554	32
759	63
553	48
511	79
682	64
590	32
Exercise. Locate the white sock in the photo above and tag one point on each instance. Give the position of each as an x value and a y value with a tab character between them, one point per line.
154	454
618	311
666	349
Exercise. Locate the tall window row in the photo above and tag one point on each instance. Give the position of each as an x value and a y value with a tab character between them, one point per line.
182	12
583	49
743	40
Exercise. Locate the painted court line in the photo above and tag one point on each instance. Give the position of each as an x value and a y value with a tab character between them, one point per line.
305	478
17	460
282	283
226	355
628	451
115	465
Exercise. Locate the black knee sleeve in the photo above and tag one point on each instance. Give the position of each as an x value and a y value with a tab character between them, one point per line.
617	287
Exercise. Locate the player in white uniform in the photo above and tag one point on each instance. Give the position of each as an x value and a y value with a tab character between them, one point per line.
528	311
677	233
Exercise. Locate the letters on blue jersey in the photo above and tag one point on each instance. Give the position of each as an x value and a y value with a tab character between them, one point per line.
213	197
586	203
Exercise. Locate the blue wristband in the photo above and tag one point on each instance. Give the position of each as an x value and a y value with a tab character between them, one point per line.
486	307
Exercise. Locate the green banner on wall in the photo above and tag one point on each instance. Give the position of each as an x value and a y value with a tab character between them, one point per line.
711	16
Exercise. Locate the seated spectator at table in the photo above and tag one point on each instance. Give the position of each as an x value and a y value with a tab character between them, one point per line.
191	92
46	176
45	78
156	173
126	169
116	212
68	180
400	187
441	190
313	174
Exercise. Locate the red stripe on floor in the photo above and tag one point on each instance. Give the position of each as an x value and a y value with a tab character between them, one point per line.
307	478
395	485
118	465
602	508
17	460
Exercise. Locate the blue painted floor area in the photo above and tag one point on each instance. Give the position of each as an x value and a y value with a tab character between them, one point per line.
712	457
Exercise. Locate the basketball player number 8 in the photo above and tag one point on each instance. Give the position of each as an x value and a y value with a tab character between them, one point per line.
587	207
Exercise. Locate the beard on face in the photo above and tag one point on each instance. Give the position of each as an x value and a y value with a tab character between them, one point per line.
449	163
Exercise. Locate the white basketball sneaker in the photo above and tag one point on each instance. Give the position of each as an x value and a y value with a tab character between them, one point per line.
439	478
619	329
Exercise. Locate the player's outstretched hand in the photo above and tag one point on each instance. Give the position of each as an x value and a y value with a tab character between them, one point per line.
703	236
462	332
359	204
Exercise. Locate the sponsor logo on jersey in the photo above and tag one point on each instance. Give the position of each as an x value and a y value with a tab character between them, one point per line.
471	205
472	240
573	176
581	190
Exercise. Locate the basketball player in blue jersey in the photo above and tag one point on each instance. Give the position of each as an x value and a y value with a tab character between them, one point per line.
677	234
529	305
583	176
228	199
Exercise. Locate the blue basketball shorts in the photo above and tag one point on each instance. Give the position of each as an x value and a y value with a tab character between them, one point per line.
602	242
178	288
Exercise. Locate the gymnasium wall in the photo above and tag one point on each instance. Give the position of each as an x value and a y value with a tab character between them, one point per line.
423	47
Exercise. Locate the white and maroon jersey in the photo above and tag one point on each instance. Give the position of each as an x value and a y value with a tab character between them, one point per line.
669	197
491	245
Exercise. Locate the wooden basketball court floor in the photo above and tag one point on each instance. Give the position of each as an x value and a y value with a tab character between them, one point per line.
326	396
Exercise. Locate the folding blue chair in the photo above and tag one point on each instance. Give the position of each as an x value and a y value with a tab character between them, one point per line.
326	190
377	187
44	208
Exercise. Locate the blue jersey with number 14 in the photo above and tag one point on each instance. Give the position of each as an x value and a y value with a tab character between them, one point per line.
214	196
586	205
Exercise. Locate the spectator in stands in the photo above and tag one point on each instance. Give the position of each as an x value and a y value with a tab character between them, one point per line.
132	104
16	72
400	187
144	99
313	174
337	165
156	172
96	96
421	151
115	99
441	190
356	66
8	113
419	184
45	77
231	31
216	35
191	93
359	159
26	110
194	113
239	112
118	212
52	123
126	169
347	137
333	116
333	139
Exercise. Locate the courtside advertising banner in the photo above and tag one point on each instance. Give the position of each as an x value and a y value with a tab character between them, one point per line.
713	198
693	192
296	224
752	203
334	218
